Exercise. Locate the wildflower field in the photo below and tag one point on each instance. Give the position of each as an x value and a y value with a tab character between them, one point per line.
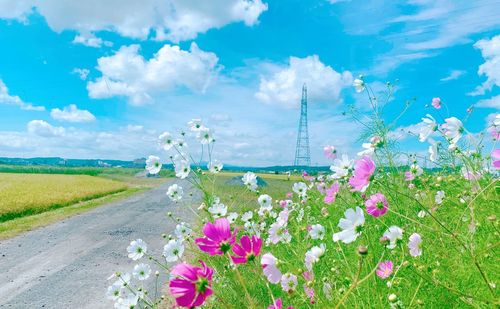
383	229
27	194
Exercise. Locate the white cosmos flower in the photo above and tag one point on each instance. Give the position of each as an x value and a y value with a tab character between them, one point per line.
182	169
317	231
182	230
313	255
205	136
123	280
453	129
414	245
289	282
393	235
166	141
128	302
181	144
270	269
351	226
218	209
265	202
141	271
439	197
369	150
136	249
250	181
173	250
247	216
300	188
153	165
359	85
231	217
115	291
215	166
175	192
427	127
416	170
195	125
341	167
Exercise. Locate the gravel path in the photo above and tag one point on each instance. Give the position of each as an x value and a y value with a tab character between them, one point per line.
66	264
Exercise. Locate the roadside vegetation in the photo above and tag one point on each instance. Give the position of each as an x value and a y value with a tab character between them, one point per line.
383	229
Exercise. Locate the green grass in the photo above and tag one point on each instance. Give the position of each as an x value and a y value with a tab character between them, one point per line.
445	276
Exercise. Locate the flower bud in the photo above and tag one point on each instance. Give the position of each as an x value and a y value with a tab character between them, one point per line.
392	298
362	250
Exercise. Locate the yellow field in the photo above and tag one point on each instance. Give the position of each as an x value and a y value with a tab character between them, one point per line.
26	194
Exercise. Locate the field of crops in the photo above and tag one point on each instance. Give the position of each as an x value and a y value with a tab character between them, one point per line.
26	194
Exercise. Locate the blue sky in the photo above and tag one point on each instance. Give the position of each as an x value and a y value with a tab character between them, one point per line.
102	79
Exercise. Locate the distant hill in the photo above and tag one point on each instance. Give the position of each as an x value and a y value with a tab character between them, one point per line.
140	163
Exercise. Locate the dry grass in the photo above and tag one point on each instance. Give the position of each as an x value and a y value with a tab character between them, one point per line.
27	194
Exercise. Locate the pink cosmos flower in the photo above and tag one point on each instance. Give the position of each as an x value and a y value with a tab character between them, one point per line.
331	193
218	238
330	152
496	155
436	102
363	170
376	205
191	285
248	250
495	133
321	187
409	176
310	293
278	304
272	273
289	194
384	269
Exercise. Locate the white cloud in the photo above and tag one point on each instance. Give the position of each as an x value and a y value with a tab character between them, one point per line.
6	98
454	74
45	129
82	73
493	102
71	113
90	40
174	20
490	50
127	73
284	86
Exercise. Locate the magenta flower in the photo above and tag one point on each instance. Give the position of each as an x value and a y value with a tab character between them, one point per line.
330	152
218	238
376	205
191	285
436	102
363	171
248	250
278	304
310	293
331	193
384	269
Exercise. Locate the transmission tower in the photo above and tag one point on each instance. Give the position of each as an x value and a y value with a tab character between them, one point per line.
302	155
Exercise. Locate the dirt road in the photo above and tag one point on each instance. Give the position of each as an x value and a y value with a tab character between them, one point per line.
65	265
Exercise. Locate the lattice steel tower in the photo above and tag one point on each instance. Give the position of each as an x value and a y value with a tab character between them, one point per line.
302	155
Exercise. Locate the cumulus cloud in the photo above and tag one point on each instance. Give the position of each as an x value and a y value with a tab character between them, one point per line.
127	73
284	85
71	113
493	102
174	20
6	98
490	50
45	129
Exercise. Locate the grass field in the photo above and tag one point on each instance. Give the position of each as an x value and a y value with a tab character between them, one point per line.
28	194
